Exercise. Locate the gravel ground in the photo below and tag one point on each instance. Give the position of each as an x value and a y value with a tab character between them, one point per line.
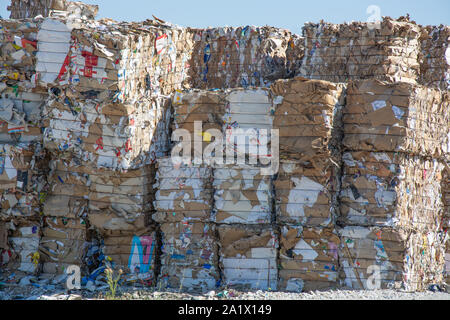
32	293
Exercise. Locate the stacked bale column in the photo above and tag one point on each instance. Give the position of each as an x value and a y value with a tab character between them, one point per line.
391	200
183	209
23	162
243	201
184	201
306	187
387	50
103	123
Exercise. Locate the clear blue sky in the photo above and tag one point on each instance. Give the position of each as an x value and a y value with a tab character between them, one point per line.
290	14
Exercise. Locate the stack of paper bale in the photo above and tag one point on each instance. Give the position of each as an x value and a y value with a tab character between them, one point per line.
435	57
22	157
308	115
19	248
183	209
391	199
102	124
243	213
387	50
242	57
243	194
62	243
21	9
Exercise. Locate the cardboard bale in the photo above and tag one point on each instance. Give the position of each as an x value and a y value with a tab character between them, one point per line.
113	200
435	57
307	115
21	95
133	252
391	258
22	181
247	122
241	57
392	189
308	259
248	110
242	195
361	50
21	9
22	164
248	256
189	256
183	192
62	244
20	254
396	117
306	196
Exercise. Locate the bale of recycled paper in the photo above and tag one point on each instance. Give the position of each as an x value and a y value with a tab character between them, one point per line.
307	114
242	57
248	110
435	57
189	260
380	258
388	51
22	181
133	252
242	195
21	9
62	244
308	259
398	117
183	191
109	200
20	254
392	189
248	256
306	196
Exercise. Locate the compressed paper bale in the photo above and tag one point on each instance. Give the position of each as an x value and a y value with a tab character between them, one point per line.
305	196
183	192
242	195
189	256
248	110
113	199
134	252
308	259
22	180
307	115
357	50
22	163
362	247
392	189
21	257
21	9
240	57
396	117
21	115
63	242
18	43
401	258
248	256
435	57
